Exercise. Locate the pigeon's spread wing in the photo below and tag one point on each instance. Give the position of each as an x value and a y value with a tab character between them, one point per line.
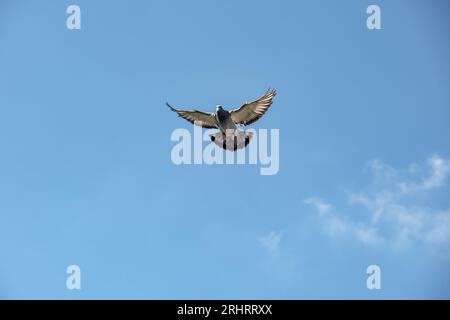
251	112
205	120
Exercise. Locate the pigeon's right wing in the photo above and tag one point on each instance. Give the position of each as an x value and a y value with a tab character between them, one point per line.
203	119
251	112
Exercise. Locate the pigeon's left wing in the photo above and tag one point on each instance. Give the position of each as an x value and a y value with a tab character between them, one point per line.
205	120
251	112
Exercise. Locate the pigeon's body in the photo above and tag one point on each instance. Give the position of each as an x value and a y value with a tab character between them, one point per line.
230	137
224	120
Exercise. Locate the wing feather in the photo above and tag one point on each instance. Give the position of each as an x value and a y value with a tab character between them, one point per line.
203	119
251	112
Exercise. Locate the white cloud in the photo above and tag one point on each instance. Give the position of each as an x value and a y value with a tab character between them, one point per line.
438	169
381	171
440	228
368	235
337	225
333	223
393	216
271	242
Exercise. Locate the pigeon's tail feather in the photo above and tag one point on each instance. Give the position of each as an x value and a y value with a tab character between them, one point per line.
232	141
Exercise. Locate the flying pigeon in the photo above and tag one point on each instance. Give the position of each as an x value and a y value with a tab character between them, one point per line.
230	137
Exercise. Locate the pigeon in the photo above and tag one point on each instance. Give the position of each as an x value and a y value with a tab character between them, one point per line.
230	137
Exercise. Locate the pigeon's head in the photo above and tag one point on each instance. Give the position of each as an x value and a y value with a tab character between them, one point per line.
219	108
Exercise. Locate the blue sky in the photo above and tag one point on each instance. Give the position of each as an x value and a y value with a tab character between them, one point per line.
86	176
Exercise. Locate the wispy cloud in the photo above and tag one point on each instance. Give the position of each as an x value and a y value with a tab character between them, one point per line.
394	216
337	225
334	224
271	242
439	169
